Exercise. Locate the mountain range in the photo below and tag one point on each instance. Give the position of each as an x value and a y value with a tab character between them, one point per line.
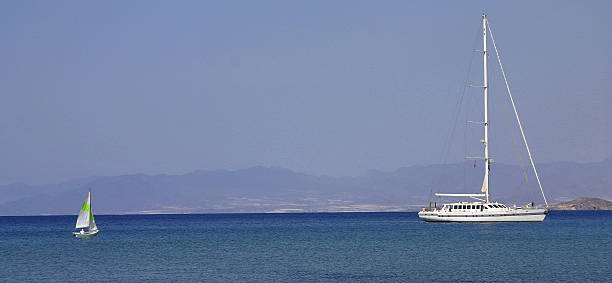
273	189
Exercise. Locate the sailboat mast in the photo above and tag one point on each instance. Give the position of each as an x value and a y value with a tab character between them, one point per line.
485	184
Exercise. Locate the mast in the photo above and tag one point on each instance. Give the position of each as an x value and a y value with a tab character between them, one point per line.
485	184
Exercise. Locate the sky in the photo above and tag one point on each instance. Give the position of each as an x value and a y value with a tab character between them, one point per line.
334	88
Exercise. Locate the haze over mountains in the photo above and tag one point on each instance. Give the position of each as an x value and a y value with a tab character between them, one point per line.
263	189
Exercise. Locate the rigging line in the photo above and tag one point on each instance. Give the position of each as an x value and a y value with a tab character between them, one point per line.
475	42
447	144
469	131
465	129
449	137
493	135
514	141
430	192
517	117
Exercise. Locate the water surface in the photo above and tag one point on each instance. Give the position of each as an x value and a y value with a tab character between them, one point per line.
349	247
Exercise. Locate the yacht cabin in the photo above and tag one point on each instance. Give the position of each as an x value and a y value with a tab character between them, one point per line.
466	206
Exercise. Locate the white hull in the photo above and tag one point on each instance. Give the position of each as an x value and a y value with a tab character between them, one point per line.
85	235
520	215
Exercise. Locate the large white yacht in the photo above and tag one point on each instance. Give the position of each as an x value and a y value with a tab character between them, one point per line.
483	210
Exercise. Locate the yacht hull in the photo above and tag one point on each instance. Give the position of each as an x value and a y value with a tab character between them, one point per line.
532	215
85	235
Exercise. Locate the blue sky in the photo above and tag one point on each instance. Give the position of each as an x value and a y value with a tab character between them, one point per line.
321	87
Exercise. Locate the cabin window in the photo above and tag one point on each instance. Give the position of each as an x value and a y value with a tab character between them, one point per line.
454	207
464	206
486	207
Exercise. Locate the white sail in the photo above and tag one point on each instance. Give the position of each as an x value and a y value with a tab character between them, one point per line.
92	223
84	214
485	184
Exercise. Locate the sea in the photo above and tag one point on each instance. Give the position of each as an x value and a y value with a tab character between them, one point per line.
570	246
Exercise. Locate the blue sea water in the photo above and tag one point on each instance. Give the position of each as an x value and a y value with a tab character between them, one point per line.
328	247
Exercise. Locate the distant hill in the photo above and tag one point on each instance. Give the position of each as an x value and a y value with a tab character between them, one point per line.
585	204
265	189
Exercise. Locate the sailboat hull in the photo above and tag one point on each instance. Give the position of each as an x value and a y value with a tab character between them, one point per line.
86	235
522	215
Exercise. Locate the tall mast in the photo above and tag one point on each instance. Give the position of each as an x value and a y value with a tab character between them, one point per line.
485	184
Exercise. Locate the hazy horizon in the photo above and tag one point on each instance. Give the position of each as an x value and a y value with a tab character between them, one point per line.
322	88
361	174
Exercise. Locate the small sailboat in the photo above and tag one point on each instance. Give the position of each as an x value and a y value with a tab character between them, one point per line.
483	209
86	220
